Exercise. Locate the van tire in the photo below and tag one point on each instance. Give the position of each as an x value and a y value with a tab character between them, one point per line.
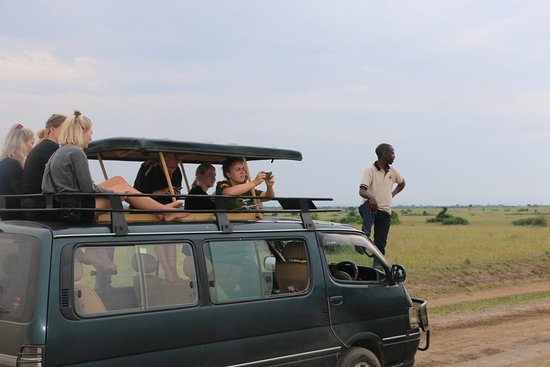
359	357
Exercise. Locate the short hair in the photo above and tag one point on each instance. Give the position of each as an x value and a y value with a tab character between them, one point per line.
54	121
226	165
14	143
74	128
380	149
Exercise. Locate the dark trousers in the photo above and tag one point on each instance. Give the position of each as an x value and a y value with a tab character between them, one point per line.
381	221
381	230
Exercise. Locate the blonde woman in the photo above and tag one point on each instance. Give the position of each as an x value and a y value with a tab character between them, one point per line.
205	178
68	171
17	145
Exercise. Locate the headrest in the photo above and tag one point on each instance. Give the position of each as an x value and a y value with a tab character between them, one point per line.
148	262
78	271
295	251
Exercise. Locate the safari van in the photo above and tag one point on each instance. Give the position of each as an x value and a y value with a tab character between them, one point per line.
265	286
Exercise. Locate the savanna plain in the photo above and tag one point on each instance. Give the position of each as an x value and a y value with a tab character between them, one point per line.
487	282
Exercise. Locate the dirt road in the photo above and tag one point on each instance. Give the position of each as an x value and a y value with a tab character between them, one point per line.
511	336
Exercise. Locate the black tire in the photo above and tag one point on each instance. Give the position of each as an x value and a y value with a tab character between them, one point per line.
359	357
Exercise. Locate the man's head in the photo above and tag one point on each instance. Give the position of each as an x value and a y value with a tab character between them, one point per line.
385	153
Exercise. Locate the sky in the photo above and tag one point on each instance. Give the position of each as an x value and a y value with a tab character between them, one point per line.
461	89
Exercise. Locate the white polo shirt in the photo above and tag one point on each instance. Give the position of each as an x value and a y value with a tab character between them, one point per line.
380	183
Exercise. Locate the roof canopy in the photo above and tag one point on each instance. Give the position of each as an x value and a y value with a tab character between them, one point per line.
141	149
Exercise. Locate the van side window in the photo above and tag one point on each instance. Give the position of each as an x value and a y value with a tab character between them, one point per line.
351	258
256	269
137	283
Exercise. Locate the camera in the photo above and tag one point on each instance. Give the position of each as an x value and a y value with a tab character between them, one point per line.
268	175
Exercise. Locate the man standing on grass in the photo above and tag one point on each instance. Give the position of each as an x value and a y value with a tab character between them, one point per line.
377	190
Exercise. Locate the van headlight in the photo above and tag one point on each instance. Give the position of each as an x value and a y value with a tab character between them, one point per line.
418	314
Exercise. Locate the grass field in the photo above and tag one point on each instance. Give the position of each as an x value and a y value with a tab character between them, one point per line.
490	251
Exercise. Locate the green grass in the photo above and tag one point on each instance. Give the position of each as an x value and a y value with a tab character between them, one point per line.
488	252
488	303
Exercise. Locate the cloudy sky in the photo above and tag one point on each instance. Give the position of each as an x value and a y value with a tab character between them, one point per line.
461	89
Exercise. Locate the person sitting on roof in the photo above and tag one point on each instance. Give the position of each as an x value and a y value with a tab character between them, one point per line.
237	184
152	180
68	171
36	163
205	177
17	145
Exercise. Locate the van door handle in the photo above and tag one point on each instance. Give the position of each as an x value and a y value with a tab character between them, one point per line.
336	300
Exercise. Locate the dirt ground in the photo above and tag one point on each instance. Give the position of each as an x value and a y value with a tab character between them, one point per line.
511	336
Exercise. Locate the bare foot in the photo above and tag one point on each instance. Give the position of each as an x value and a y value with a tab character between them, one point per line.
175	214
171	217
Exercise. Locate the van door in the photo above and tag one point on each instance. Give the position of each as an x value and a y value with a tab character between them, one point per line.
364	306
270	315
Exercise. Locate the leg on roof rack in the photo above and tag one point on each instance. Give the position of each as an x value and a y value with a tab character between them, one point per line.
119	186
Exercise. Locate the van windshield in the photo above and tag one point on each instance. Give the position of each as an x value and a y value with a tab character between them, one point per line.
18	271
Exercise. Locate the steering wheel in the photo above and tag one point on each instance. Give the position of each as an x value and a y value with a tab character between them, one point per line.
348	266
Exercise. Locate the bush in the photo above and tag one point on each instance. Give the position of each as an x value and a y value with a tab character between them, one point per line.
352	216
394	219
537	222
454	221
446	219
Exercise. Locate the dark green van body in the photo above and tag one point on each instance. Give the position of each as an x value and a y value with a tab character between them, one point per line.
235	312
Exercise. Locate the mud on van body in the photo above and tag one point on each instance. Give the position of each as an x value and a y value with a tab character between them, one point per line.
252	290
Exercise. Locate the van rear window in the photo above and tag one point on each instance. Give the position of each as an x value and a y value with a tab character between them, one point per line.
18	273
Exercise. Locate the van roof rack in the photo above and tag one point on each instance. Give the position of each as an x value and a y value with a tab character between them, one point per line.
119	216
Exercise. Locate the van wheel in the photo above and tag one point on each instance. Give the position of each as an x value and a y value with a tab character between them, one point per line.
359	357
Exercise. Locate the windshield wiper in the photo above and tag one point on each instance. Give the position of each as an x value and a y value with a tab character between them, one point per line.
3	310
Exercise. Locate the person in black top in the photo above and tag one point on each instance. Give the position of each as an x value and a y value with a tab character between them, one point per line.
36	162
152	180
205	178
17	145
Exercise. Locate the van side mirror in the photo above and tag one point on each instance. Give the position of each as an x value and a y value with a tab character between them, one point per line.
397	274
269	263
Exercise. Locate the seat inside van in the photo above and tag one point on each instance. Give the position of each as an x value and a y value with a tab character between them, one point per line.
86	300
292	274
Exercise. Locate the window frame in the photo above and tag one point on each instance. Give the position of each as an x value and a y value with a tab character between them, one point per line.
376	253
67	280
268	240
